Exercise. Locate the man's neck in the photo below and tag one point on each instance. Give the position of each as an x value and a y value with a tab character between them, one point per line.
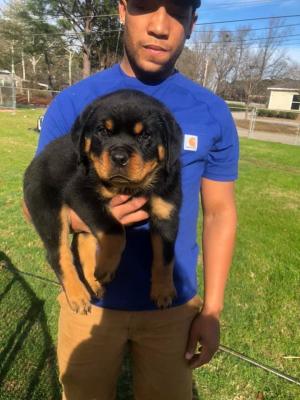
134	72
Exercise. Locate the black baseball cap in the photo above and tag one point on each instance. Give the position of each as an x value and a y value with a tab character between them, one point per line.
196	4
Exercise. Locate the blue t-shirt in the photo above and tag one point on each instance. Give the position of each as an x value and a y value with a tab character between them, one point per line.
210	150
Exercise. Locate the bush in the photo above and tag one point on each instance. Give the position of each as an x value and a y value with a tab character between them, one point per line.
236	106
277	114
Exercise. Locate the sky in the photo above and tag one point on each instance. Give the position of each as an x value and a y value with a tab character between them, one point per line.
220	10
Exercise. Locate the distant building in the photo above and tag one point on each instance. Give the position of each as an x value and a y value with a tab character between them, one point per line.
6	79
284	98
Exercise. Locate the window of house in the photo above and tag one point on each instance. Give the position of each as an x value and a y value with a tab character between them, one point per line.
296	102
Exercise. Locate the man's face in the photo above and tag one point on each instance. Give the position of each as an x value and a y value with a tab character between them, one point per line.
155	32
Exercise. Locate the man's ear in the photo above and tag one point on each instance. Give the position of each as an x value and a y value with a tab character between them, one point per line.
122	10
192	25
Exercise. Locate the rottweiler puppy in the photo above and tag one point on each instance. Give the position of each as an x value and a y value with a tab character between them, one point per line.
125	142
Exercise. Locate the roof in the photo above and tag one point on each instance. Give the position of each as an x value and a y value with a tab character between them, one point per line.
281	89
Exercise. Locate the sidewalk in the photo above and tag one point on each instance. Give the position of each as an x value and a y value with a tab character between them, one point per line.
270	137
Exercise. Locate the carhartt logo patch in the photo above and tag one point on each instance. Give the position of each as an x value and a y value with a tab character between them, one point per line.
190	142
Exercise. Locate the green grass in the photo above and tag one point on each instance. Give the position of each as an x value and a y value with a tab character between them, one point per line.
262	307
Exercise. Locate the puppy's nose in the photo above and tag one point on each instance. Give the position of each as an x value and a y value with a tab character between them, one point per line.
119	157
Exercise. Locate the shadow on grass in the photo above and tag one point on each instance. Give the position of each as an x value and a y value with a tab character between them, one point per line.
28	364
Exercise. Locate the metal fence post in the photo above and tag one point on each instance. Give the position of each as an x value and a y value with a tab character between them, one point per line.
252	122
297	140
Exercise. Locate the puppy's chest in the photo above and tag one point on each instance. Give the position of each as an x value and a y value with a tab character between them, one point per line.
108	192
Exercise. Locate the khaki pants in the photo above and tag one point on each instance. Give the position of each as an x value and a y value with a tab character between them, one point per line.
91	348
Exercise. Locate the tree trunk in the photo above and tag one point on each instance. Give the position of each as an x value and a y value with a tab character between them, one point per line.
70	67
49	71
86	68
23	66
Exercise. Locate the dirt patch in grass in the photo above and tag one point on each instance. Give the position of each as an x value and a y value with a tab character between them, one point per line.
268	127
288	199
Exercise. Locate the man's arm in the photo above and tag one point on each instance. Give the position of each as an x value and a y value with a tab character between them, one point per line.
219	229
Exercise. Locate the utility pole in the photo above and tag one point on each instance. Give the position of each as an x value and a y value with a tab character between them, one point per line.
13	87
205	73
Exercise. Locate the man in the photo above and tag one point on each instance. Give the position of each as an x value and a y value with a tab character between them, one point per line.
163	343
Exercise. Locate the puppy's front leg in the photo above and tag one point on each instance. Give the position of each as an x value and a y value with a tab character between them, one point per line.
109	233
164	225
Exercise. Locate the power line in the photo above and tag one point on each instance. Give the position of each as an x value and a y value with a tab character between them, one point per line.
251	40
247	19
250	29
76	34
247	3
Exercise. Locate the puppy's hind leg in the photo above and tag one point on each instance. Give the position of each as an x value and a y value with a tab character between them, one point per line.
86	249
77	294
54	232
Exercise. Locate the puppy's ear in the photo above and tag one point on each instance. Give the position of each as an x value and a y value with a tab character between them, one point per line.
172	140
79	135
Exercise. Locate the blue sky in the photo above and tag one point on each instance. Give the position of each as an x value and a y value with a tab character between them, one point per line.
220	10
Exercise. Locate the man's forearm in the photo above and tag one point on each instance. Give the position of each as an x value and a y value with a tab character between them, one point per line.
218	245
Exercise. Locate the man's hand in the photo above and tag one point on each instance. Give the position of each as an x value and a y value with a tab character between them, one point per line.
125	209
205	330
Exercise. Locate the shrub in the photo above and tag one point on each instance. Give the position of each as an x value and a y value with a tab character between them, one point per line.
277	114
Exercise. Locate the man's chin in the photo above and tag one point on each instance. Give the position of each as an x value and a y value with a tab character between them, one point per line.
152	69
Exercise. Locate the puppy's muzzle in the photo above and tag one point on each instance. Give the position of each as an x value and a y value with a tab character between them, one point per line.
120	156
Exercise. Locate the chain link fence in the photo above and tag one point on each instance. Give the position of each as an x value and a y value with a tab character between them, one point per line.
251	124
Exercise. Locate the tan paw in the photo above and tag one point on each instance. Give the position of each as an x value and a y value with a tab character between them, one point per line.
163	295
79	299
97	288
105	276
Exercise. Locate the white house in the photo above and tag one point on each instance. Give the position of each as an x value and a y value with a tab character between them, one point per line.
285	99
6	79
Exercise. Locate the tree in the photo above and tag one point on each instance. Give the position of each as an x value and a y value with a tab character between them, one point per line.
89	21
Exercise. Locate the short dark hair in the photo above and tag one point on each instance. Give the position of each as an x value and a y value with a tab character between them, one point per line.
196	4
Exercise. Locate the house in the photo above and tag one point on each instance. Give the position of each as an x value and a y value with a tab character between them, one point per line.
6	79
284	98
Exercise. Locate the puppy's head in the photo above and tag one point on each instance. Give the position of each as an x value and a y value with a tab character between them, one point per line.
126	137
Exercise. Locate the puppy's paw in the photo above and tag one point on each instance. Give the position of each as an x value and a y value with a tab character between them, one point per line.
105	276
162	295
79	300
97	288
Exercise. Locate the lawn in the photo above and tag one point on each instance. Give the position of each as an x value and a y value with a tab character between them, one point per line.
261	316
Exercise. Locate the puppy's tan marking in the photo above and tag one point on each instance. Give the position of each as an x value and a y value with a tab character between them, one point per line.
77	295
106	193
102	164
138	169
161	152
109	256
138	128
109	124
87	145
161	208
87	250
162	286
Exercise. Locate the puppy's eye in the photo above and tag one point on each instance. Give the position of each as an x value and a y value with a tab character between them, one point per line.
103	132
144	138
